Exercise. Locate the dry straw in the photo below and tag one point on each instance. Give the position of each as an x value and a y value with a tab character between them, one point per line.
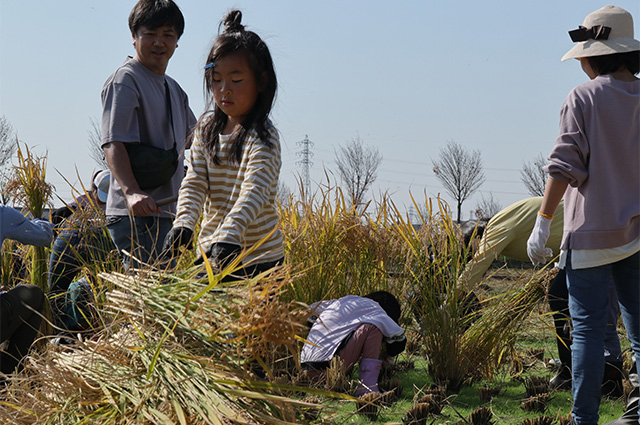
165	358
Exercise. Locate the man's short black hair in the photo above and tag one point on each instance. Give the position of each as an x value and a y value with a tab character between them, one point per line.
607	64
155	14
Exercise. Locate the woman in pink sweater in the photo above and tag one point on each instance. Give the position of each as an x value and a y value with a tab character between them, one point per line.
595	166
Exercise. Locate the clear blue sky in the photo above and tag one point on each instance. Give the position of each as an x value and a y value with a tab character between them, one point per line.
405	76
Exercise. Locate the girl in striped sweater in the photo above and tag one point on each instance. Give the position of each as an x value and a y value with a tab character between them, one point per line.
235	158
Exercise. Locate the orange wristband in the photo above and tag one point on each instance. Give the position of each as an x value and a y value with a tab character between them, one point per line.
547	216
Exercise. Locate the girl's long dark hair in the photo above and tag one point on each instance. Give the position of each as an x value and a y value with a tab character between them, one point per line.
234	38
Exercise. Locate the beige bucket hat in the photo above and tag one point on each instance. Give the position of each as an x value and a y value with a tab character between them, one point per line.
604	32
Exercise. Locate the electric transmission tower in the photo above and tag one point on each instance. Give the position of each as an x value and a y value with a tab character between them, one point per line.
305	154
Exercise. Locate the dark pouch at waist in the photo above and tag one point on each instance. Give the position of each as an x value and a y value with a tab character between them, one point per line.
152	167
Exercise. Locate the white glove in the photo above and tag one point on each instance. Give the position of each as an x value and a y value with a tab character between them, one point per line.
536	249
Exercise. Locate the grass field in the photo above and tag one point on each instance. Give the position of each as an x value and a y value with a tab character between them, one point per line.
172	347
534	347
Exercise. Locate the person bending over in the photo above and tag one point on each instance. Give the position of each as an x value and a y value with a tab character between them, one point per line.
355	329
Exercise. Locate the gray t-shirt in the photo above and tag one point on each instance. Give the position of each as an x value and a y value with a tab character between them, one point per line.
134	110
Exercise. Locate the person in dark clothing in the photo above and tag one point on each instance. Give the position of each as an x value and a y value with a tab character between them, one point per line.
20	318
82	239
20	307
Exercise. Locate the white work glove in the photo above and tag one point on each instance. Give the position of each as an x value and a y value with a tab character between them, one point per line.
536	249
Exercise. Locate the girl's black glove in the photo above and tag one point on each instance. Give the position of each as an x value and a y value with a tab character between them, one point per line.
177	237
221	254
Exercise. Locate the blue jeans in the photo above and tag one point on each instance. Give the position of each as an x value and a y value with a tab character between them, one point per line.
588	300
559	304
140	240
70	252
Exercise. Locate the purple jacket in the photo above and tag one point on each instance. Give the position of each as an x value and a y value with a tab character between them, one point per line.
598	154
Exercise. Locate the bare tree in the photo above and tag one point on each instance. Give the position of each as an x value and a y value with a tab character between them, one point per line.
7	149
95	144
460	171
358	168
487	207
533	176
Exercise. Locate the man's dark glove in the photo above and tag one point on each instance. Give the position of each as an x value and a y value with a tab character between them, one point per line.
177	237
221	254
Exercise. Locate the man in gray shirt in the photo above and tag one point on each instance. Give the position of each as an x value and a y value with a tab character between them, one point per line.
142	105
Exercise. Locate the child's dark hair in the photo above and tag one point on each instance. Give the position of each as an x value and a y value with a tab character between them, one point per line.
388	302
607	64
234	38
155	14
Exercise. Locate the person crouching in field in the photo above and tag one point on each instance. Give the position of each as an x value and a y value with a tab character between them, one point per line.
354	329
81	239
235	159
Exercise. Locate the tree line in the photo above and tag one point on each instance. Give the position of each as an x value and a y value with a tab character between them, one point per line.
460	170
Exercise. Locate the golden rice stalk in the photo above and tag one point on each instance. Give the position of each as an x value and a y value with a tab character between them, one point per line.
169	356
28	183
488	340
10	263
29	187
336	249
337	379
263	322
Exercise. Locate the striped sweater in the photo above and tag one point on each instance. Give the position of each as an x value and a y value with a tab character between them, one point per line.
237	201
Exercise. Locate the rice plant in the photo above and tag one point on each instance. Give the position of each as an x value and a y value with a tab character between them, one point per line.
12	264
337	249
340	251
464	339
30	188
